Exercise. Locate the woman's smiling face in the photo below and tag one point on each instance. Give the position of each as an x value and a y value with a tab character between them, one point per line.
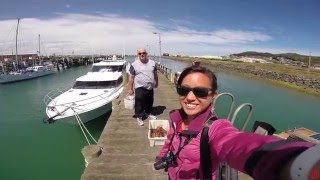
192	104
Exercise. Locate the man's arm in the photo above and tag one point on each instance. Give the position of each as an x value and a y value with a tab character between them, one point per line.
155	71
131	80
156	79
130	84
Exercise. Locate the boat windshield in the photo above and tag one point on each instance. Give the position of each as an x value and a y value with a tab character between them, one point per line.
94	84
107	69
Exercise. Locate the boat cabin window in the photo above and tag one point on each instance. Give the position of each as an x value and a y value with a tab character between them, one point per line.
94	84
107	68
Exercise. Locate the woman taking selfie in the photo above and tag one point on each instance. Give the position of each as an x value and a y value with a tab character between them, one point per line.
254	154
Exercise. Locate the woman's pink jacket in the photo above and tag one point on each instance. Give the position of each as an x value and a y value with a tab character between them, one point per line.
227	144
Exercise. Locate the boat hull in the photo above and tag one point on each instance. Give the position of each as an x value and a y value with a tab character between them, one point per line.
86	116
64	107
10	78
90	97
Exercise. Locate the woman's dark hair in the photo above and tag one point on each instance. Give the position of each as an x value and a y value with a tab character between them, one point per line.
200	69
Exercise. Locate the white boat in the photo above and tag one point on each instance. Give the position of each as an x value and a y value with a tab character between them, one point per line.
29	73
25	74
109	66
90	97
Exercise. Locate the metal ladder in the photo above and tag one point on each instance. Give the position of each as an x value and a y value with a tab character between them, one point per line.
225	172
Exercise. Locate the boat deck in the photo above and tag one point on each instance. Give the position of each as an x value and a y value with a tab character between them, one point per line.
302	134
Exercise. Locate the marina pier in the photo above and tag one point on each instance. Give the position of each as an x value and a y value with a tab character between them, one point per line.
123	150
126	151
60	144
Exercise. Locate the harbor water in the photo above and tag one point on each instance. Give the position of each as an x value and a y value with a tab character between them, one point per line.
31	149
281	107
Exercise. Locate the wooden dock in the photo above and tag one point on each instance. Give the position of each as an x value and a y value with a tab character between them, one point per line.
126	152
123	150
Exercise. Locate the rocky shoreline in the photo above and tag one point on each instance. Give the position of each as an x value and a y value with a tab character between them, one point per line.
300	81
297	80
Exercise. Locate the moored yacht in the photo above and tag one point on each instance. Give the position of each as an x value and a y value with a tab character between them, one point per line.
24	74
29	73
114	65
90	97
108	66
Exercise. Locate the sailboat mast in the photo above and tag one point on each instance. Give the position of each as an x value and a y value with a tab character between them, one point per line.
17	30
39	49
39	44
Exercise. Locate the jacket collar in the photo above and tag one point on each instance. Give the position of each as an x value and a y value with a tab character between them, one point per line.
196	124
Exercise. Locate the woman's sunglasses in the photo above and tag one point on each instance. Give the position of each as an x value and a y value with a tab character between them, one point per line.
142	53
197	91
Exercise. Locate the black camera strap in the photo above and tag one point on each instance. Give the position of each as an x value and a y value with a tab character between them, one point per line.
189	136
174	132
205	154
186	133
205	157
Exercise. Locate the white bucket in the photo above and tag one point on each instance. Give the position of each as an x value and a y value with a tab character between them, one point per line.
129	102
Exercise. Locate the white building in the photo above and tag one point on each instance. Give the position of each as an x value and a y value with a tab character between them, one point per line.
251	60
208	57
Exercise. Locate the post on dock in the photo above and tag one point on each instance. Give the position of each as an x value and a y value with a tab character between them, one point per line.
90	153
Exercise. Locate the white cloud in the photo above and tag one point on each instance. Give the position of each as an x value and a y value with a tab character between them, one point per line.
68	5
216	37
110	33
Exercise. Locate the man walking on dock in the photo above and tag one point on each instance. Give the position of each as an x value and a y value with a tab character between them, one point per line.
143	78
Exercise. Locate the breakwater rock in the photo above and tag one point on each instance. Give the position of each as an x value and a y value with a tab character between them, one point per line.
301	81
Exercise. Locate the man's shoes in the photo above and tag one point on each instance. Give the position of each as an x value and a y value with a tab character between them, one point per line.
140	121
152	117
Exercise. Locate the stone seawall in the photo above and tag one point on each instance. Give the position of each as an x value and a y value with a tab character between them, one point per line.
312	84
298	80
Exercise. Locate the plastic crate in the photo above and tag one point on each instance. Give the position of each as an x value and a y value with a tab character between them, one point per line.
153	124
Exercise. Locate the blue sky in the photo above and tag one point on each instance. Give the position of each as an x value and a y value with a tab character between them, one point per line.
202	27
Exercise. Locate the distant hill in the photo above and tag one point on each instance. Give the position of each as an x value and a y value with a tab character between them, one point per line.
292	56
